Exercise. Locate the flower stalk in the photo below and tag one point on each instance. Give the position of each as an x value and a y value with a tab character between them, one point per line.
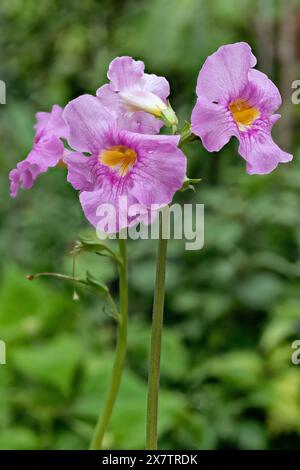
120	354
156	340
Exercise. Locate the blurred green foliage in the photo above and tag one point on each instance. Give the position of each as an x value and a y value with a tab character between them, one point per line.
232	309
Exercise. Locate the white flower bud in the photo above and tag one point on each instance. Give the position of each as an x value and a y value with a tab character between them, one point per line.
141	100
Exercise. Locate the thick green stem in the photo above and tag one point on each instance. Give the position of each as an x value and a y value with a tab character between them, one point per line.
120	354
157	326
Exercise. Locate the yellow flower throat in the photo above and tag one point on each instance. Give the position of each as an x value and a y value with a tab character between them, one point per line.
118	157
243	113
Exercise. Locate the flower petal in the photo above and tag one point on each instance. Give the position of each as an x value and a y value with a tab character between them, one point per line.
108	204
259	150
23	175
42	156
157	85
88	123
262	93
225	73
213	123
109	98
47	152
124	72
79	171
138	121
142	123
160	169
51	123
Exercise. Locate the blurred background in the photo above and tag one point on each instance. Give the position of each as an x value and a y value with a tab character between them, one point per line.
232	309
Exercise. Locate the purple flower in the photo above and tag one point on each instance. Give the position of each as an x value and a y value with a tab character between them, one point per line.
236	100
133	94
143	169
46	152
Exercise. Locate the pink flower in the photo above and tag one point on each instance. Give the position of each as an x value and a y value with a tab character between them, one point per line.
236	100
143	169
46	152
133	94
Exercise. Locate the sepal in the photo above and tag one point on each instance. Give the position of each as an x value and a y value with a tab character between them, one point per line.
189	184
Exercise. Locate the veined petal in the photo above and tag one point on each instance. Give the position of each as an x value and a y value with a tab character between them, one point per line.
157	85
23	175
259	150
50	124
213	123
224	74
79	171
140	122
109	98
137	121
47	152
262	93
108	203
150	141
124	72
88	123
159	171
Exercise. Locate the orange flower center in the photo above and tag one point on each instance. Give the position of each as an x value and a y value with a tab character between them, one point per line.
119	157
243	113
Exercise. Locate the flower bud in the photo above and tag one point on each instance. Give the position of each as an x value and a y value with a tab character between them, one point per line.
141	100
169	117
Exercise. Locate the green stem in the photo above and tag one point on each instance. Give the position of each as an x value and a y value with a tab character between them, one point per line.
113	391
157	326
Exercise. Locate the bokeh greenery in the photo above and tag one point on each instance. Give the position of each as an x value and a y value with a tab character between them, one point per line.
232	309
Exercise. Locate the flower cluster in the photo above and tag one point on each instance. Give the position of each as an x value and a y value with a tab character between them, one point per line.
114	148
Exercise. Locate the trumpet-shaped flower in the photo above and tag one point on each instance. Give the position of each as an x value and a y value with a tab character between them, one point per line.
137	98
47	150
236	100
145	169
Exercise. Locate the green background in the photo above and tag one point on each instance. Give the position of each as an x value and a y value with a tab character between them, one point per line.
232	309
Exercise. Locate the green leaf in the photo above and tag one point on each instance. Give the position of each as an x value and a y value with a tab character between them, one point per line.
241	369
24	313
284	405
174	357
259	290
252	435
70	441
93	246
53	362
127	429
18	438
278	330
96	284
